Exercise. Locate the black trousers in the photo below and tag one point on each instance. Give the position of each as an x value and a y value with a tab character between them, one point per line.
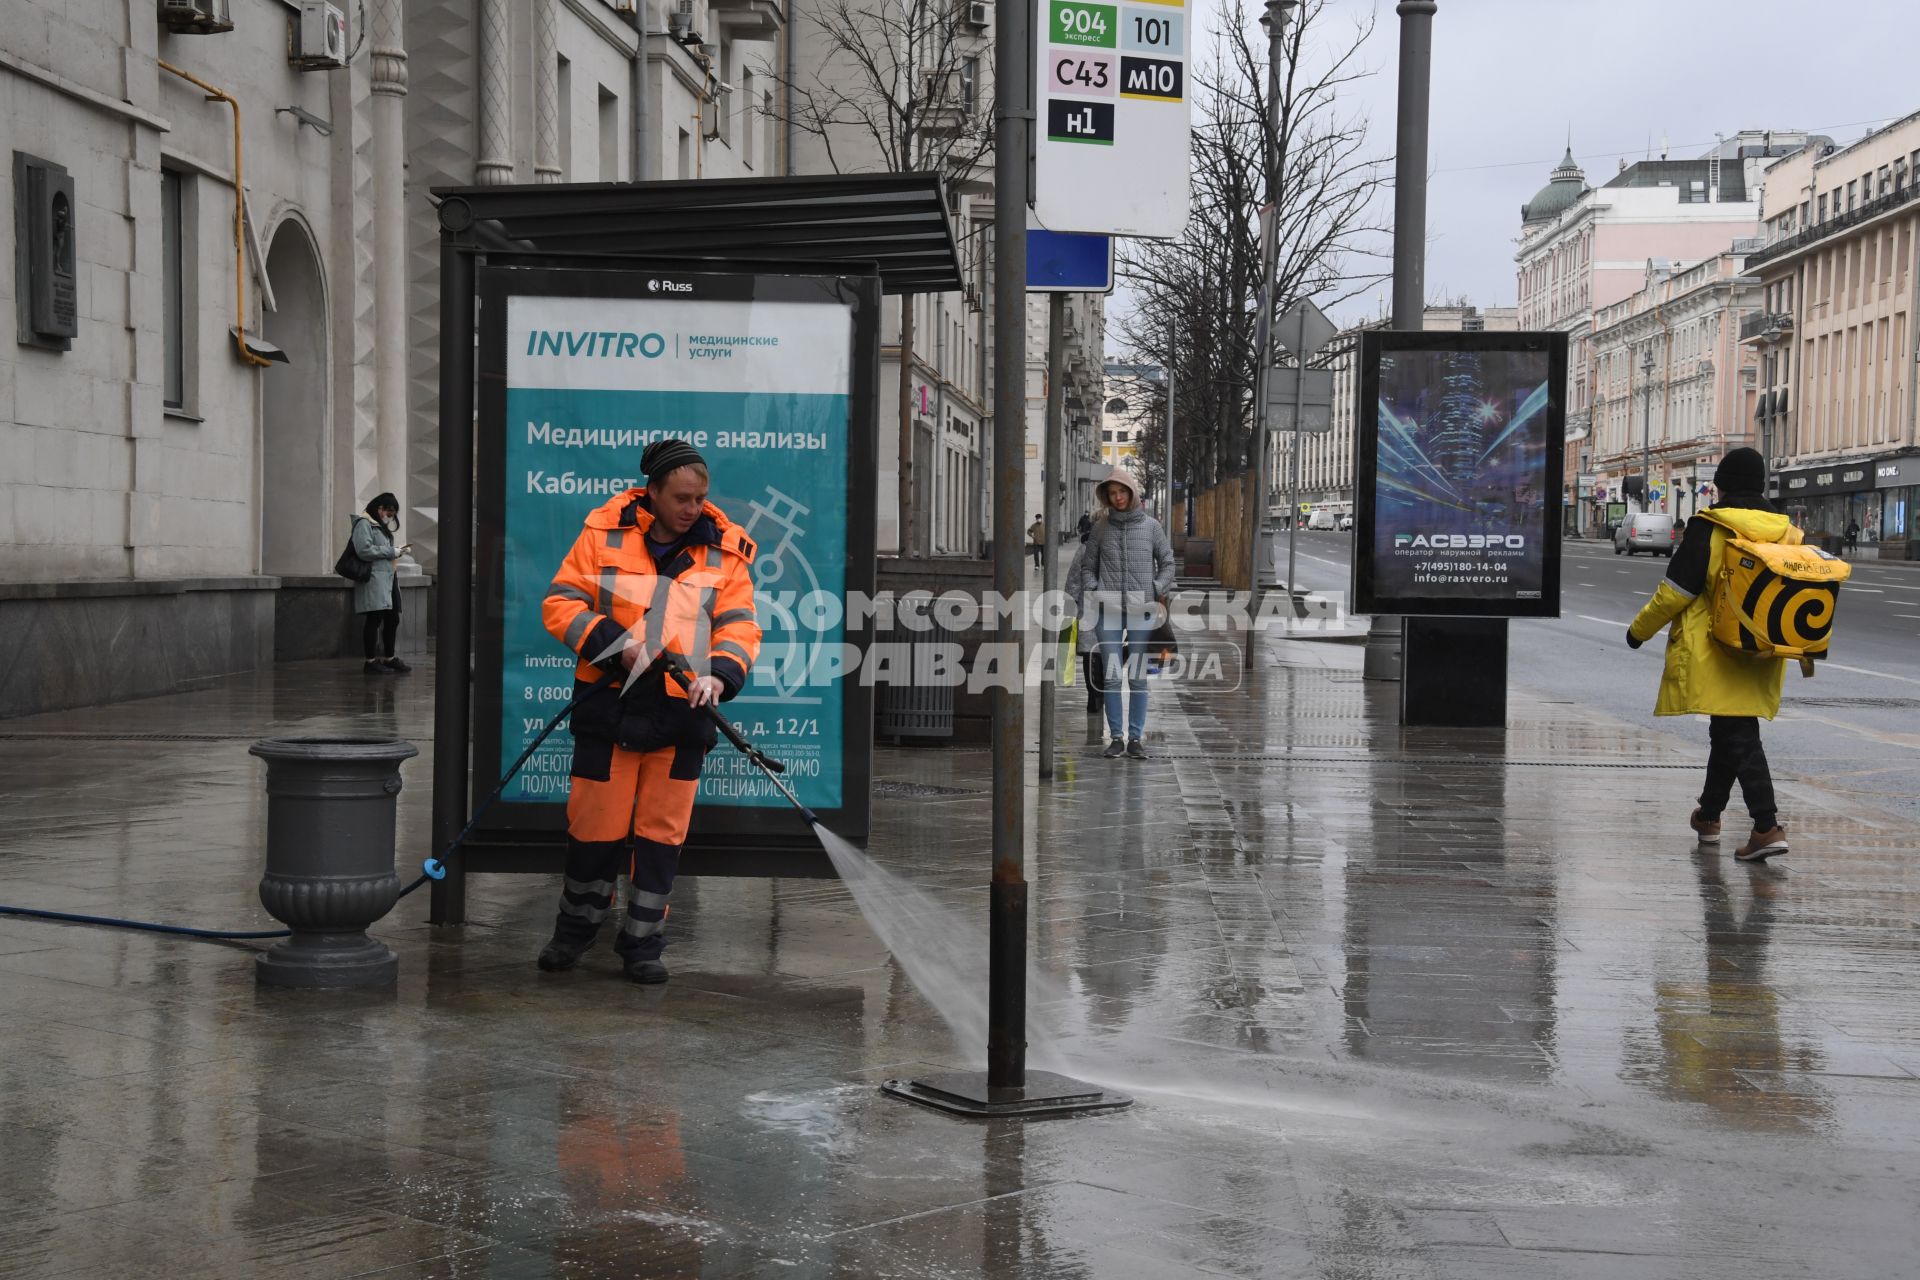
381	625
1096	665
1735	753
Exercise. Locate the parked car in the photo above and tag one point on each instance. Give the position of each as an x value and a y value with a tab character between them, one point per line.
1653	531
1321	520
1346	523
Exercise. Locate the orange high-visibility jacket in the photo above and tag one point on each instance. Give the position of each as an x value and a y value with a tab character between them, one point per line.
700	610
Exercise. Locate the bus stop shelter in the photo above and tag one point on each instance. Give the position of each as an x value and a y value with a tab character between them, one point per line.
855	237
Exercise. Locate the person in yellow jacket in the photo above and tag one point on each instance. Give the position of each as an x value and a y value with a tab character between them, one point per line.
1706	678
658	577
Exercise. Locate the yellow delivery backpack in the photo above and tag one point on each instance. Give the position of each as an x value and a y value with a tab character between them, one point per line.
1776	599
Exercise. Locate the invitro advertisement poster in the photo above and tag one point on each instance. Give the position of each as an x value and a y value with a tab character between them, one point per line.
1459	484
760	385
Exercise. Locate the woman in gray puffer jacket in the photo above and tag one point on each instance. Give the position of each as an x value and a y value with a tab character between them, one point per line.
1125	571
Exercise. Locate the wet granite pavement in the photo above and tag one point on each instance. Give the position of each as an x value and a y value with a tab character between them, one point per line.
1394	1003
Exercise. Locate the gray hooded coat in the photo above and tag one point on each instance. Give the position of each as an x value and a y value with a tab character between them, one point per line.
1126	555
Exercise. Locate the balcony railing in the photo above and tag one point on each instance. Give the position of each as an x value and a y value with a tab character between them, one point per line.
1765	324
1835	225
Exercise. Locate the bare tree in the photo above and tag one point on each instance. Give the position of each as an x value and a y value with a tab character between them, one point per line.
893	86
1197	298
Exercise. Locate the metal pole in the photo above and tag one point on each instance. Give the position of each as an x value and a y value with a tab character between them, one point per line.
1384	637
1170	472
1293	484
1051	508
1007	900
1275	21
453	582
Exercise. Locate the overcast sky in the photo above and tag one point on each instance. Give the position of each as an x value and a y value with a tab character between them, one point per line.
1512	77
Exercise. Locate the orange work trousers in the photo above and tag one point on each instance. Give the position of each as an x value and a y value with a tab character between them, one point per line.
640	798
634	821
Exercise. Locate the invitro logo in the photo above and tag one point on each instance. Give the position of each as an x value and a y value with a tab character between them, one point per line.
610	344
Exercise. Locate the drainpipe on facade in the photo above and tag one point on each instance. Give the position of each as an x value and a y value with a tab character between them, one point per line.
786	91
1913	343
639	84
936	503
1666	397
388	65
247	355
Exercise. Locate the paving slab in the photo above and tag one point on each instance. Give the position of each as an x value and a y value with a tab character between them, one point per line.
1393	1002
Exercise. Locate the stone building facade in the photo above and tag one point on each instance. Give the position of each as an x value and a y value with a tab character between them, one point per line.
1584	248
1674	387
165	486
1835	334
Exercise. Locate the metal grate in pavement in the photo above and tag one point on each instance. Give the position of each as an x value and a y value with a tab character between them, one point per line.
920	790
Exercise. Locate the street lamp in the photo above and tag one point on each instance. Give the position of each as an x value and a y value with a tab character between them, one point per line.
1274	20
1646	433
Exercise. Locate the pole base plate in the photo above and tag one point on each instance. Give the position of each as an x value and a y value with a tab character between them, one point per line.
967	1093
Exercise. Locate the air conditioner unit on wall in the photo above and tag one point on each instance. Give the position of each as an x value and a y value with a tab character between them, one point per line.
978	13
196	17
317	37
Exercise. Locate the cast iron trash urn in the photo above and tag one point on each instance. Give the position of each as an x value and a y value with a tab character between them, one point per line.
330	820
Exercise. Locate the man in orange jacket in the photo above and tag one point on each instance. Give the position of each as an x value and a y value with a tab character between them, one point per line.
658	577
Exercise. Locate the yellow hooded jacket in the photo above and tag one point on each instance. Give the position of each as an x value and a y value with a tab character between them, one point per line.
1704	677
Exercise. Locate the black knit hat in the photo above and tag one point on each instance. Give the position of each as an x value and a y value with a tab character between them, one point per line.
1741	471
663	456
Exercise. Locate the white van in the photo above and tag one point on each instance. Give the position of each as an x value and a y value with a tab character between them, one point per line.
1322	520
1652	531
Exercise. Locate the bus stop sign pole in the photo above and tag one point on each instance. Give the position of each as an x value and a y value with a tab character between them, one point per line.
1007	1088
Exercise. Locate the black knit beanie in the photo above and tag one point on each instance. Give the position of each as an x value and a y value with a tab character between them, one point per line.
1741	471
663	456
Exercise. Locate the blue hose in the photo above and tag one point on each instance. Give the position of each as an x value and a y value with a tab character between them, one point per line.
435	868
115	922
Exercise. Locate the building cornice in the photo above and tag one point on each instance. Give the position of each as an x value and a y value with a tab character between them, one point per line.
81	93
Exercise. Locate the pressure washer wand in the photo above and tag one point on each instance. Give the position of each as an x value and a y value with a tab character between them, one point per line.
766	763
436	868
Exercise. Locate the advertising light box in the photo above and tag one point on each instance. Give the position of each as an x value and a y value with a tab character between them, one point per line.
1458	483
579	372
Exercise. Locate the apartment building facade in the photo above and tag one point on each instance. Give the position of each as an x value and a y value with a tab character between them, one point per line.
221	379
1835	336
1584	248
1675	387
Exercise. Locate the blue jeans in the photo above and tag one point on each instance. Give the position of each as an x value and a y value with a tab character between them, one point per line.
1126	712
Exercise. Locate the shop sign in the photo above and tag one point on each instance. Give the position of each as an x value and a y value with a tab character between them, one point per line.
1893	473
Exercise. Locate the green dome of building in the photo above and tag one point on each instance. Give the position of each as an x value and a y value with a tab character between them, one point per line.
1567	184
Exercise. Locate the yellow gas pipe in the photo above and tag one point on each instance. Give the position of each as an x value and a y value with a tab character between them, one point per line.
239	220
